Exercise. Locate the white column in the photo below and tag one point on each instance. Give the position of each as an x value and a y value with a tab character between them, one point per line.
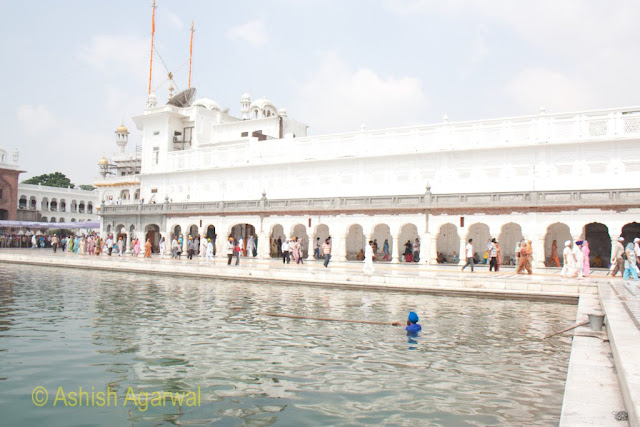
263	245
339	247
425	246
396	256
538	251
462	251
433	249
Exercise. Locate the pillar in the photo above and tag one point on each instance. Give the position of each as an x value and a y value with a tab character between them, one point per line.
339	247
462	251
539	258
396	255
433	249
425	246
263	245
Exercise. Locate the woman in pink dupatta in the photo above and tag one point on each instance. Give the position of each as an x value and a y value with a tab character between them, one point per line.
136	248
585	254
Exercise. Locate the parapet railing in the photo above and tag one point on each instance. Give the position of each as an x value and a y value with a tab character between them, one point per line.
601	125
427	201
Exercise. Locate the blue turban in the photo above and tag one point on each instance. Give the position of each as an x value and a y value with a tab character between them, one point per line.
413	317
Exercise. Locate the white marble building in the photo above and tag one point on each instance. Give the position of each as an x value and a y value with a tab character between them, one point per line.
54	204
541	177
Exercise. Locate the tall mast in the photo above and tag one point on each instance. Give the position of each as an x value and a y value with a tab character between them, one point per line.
153	31
190	52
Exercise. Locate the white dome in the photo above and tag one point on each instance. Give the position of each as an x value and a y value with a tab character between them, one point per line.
246	97
207	103
262	103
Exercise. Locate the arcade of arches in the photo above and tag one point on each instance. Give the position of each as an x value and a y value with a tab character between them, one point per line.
441	237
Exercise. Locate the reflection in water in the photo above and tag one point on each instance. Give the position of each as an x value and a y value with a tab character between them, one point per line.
476	361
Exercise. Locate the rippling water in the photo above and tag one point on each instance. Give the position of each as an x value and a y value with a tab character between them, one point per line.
477	361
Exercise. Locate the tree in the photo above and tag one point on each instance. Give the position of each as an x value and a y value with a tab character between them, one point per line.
56	179
86	187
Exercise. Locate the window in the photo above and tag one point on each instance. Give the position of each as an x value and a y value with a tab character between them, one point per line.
156	155
188	132
244	134
156	132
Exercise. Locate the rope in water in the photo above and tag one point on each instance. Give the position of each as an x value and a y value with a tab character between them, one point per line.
324	319
568	329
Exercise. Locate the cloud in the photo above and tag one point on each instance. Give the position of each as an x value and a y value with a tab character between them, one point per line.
75	149
337	98
173	19
117	54
542	87
36	120
253	32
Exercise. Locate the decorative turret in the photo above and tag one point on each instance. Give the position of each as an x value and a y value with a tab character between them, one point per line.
103	164
122	137
245	104
16	156
152	101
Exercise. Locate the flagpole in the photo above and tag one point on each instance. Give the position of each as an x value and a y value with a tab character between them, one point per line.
153	31
190	52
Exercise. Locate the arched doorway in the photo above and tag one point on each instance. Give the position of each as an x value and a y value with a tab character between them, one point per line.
63	205
275	241
176	232
33	203
53	205
121	233
382	233
242	231
44	205
210	233
193	231
354	241
481	235
408	233
597	235
322	232
152	232
447	243
560	233
629	232
510	235
300	231
22	204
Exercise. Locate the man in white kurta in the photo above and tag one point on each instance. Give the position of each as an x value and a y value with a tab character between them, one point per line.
368	259
569	267
209	250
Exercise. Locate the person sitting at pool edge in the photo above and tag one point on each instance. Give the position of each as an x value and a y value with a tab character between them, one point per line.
412	323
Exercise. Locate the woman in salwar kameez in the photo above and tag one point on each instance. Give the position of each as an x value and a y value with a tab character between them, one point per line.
136	247
294	249
554	255
147	249
585	253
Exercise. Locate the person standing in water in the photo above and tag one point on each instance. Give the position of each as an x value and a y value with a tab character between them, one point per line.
413	327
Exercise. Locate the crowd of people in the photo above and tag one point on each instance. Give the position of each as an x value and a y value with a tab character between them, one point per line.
576	258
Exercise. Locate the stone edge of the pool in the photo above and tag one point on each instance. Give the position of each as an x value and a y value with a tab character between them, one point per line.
565	292
624	335
592	392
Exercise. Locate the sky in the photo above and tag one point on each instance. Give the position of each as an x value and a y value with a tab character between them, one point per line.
73	71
